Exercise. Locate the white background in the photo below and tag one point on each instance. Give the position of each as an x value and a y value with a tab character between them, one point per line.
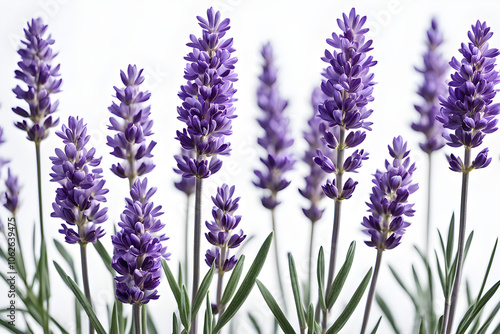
98	38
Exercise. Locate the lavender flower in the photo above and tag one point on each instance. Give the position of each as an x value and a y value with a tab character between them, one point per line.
12	193
389	199
434	70
129	143
313	135
207	98
221	229
185	184
41	78
138	247
348	86
82	188
276	139
468	111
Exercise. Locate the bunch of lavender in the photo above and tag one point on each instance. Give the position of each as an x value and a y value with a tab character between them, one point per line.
130	142
348	85
469	113
138	249
388	207
207	110
276	141
81	191
222	236
434	71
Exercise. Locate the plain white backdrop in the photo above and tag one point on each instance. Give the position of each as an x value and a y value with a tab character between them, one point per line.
96	39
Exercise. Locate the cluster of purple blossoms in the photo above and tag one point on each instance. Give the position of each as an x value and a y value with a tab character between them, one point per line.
12	193
138	247
434	71
468	111
313	135
389	199
207	107
221	229
186	184
82	188
276	139
348	86
129	143
42	81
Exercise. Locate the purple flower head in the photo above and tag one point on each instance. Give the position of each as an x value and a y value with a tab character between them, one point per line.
185	184
468	111
434	71
347	86
207	98
132	124
221	230
313	191
41	78
12	193
276	139
138	247
389	199
77	171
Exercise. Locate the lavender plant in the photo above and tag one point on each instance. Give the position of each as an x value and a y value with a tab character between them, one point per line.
276	141
348	84
469	113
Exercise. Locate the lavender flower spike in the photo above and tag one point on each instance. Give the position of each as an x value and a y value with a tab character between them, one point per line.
434	70
138	247
207	98
41	77
185	184
81	186
12	193
133	125
389	199
276	139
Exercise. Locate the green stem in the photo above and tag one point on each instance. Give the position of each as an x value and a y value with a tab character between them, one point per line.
429	202
311	240
197	241
85	275
39	178
276	253
446	314
371	293
186	239
137	318
461	239
144	318
220	307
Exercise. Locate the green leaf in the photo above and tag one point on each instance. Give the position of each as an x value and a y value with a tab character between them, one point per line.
179	275
185	309
202	291
274	307
442	278
449	244
376	326
338	282
11	328
232	284
175	324
171	281
403	285
387	312
492	256
310	319
81	298
351	305
296	292
106	259
113	328
422	327
208	317
488	321
67	257
246	286
255	323
320	272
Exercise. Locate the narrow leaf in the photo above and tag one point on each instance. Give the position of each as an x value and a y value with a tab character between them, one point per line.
274	307
105	257
376	326
171	281
113	328
202	291
234	279
255	323
296	292
387	312
338	282
449	244
321	278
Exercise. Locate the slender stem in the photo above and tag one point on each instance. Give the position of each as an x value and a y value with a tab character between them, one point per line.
85	275
144	319
311	240
137	318
371	293
336	219
446	314
186	240
461	239
197	241
220	307
39	178
429	202
276	253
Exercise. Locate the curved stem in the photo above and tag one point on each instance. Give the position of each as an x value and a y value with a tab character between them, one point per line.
371	293
311	240
461	238
186	240
276	253
197	241
137	318
85	275
429	201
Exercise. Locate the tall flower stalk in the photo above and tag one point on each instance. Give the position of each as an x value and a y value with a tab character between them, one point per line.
313	191
433	71
41	79
207	110
82	190
222	236
469	113
388	207
276	141
348	85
